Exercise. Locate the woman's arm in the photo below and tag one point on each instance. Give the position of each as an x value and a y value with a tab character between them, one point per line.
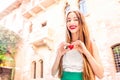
60	52
56	64
95	61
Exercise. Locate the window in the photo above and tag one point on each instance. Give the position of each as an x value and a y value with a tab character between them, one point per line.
67	8
44	24
83	6
41	68
116	53
37	69
30	28
34	70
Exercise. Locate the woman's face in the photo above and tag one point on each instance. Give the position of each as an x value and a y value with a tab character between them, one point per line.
72	23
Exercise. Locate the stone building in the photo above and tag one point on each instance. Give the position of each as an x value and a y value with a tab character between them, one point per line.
41	25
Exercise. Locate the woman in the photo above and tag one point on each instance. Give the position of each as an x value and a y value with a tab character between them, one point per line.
77	58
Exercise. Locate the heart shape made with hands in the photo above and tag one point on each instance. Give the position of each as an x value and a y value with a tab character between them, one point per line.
70	46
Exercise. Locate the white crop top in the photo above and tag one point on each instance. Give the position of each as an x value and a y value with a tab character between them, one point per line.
73	61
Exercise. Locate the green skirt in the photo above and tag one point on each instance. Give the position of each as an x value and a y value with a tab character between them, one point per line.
72	76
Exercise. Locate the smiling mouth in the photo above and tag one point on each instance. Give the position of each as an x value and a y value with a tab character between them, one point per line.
72	27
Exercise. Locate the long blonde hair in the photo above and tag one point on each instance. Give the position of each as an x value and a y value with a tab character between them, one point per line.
84	37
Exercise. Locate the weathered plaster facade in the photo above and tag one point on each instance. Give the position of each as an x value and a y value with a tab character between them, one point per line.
40	42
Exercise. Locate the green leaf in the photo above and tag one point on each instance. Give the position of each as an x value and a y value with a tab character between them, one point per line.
8	38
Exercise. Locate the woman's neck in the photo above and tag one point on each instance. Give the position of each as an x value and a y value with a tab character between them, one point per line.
75	37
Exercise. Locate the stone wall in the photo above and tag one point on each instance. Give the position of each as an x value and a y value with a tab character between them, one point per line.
104	30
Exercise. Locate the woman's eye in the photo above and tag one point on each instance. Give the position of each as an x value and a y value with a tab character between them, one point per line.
68	20
76	20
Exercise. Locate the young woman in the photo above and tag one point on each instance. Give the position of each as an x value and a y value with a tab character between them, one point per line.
77	58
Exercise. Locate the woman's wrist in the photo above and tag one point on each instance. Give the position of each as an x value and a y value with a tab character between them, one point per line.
59	54
86	53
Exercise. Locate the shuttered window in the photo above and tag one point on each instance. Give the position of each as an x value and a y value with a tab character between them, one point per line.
116	53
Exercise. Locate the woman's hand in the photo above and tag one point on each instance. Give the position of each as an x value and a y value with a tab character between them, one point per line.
61	48
79	45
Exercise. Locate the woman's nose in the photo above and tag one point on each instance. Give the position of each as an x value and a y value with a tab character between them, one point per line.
72	21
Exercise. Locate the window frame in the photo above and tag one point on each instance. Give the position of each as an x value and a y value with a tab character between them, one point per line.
116	59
